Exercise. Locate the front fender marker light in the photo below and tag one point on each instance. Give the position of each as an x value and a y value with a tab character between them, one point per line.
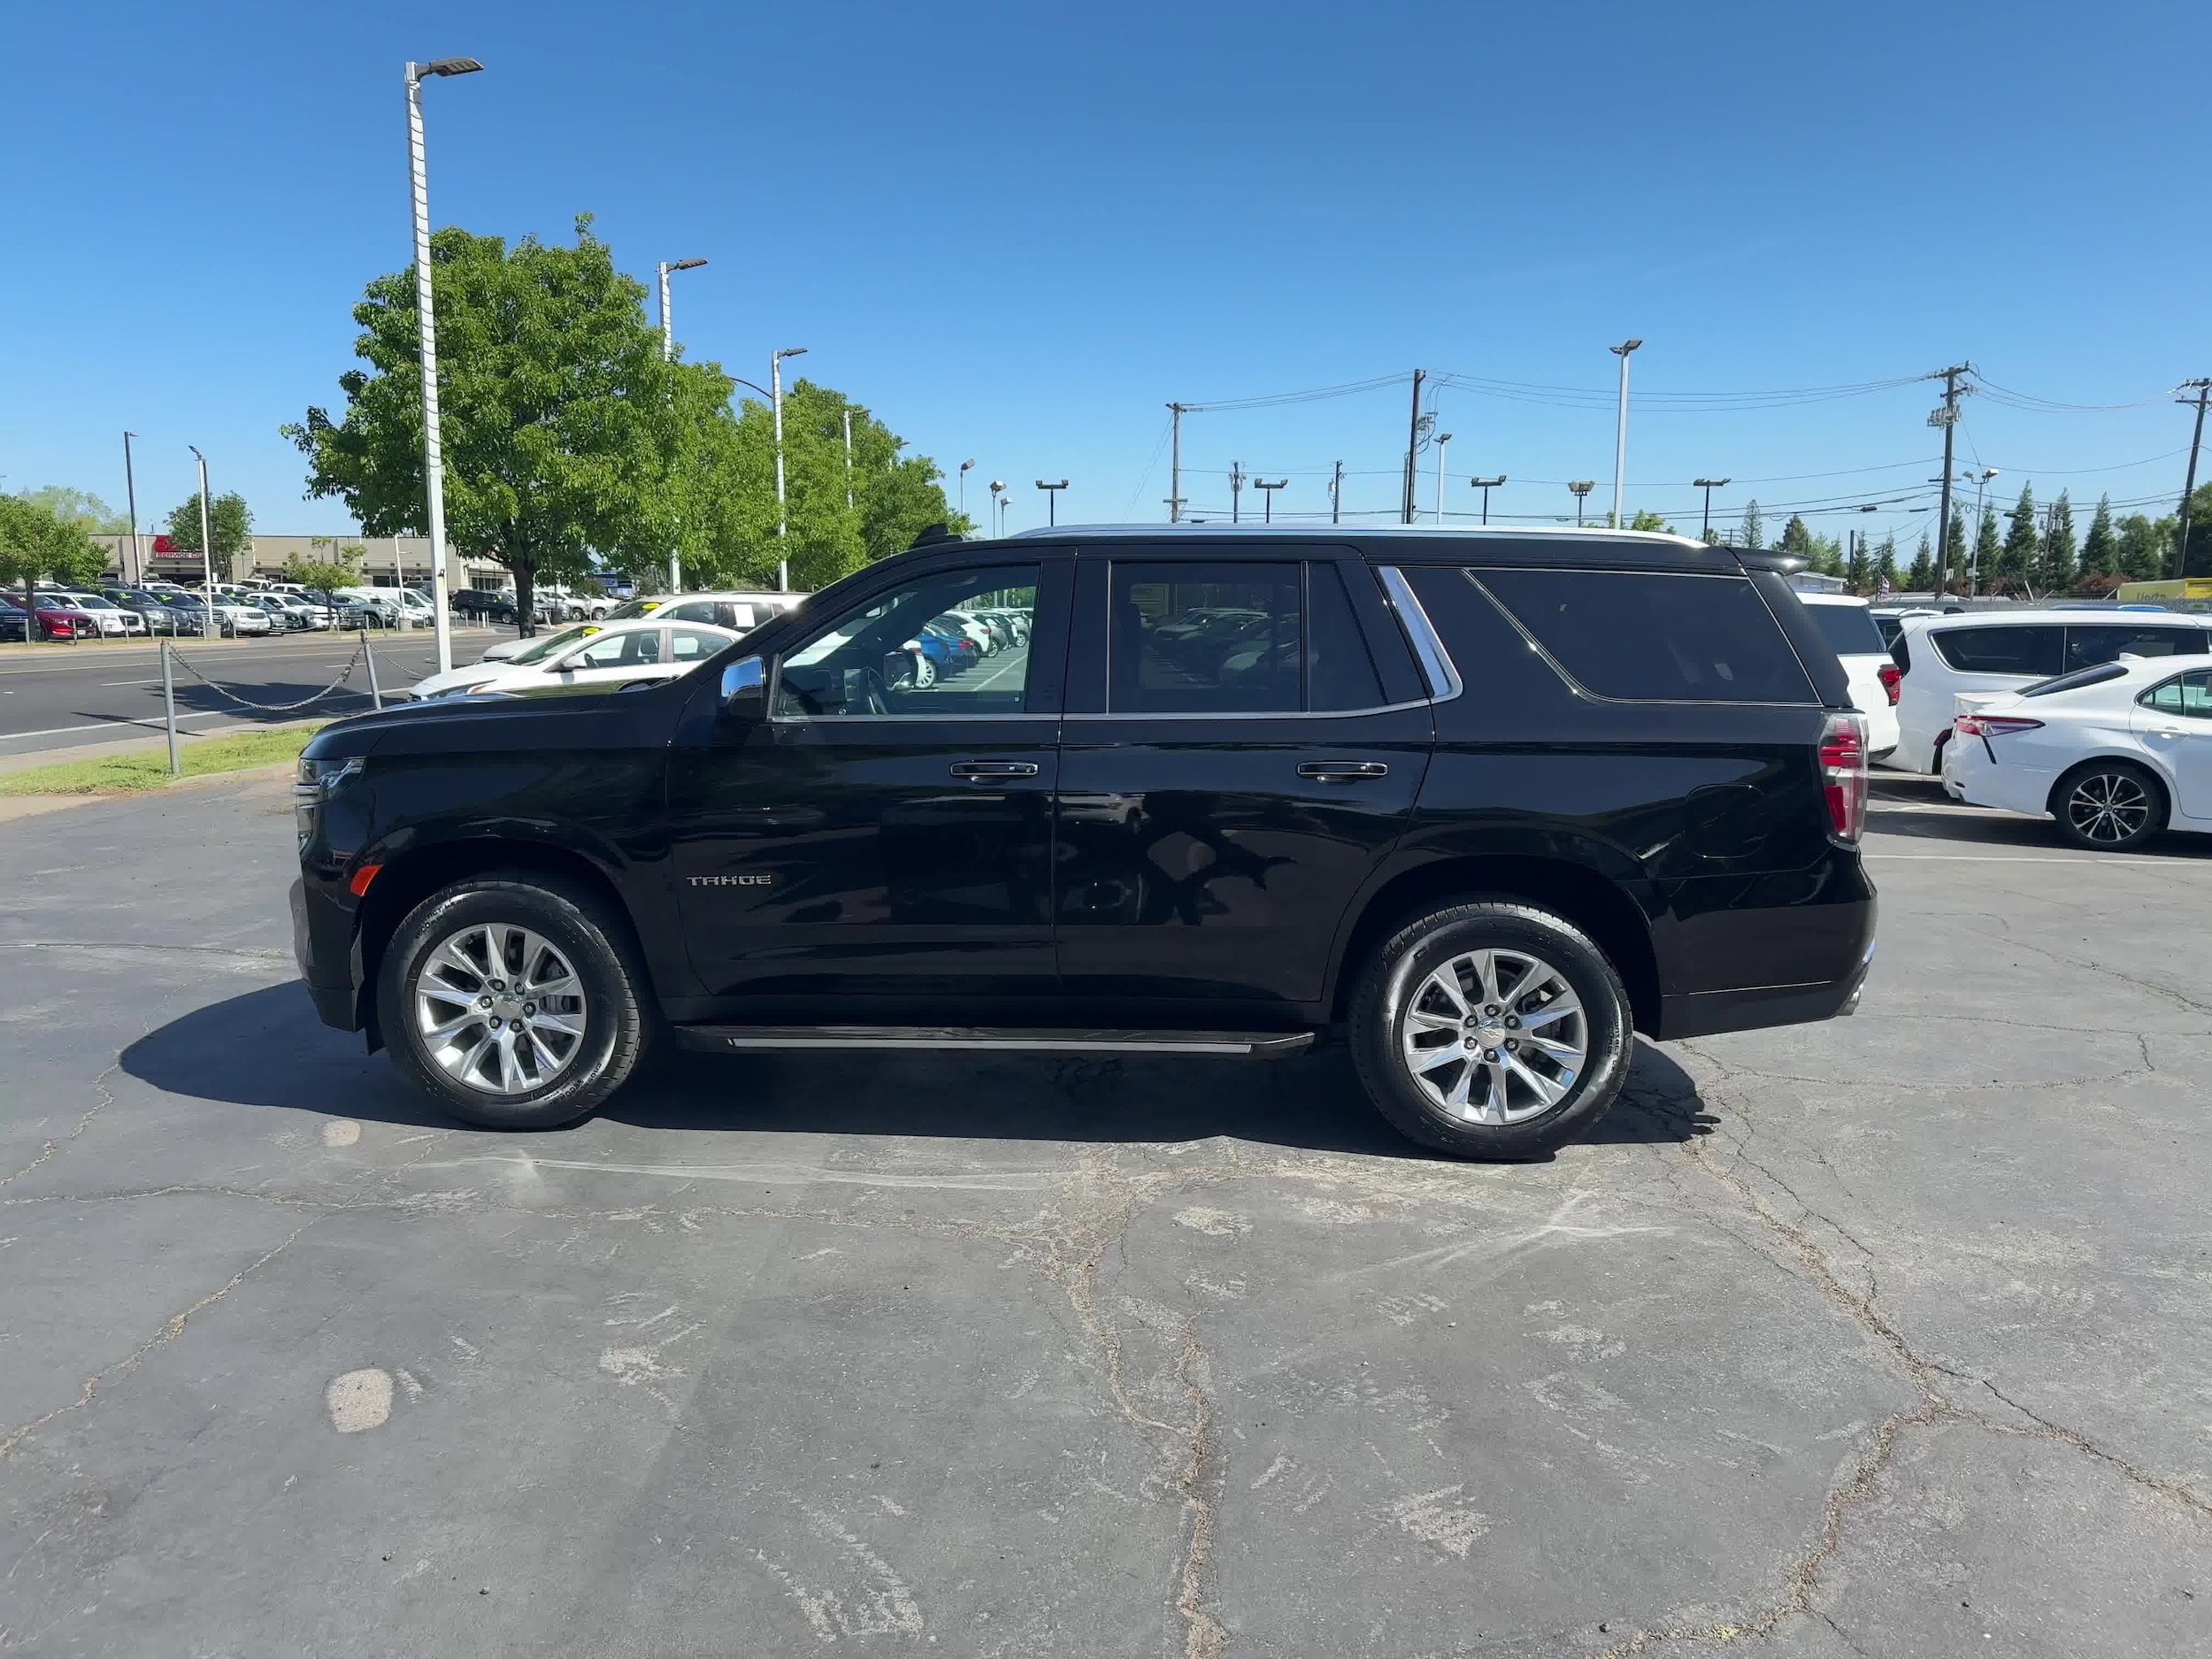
359	885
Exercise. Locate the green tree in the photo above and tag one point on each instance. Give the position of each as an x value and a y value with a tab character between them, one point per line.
2146	548
1988	553
2199	561
81	507
2016	565
1954	566
564	432
36	545
1858	573
1797	540
1755	527
325	567
1885	564
1827	556
227	516
1921	578
2100	552
2062	567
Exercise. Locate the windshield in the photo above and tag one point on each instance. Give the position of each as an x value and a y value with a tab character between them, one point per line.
538	650
636	608
1849	630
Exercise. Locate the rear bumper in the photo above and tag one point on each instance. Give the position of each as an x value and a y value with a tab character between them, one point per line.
1702	1014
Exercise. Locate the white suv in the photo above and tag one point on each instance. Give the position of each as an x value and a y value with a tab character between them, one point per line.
1847	623
2008	651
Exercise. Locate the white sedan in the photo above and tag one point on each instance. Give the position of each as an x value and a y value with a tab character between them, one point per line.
2114	753
612	654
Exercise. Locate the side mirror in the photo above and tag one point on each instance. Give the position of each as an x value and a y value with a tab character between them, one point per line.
745	689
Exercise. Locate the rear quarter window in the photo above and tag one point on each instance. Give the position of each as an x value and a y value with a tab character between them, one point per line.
1640	636
2023	649
1849	629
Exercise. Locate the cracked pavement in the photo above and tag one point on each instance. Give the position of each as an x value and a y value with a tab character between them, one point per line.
1884	1337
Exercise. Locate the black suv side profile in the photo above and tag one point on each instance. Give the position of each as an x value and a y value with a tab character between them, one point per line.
1489	803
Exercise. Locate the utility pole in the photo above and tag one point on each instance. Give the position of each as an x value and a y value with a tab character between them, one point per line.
1486	485
1261	483
2181	552
1336	495
1413	445
1236	489
1946	418
1175	464
130	491
1620	439
1708	484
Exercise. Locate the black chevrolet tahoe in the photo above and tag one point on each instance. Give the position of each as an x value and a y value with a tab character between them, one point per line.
1487	802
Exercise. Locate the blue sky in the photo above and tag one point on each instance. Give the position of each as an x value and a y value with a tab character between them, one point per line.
1017	232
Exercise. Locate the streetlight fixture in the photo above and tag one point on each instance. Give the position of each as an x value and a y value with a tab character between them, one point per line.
783	524
1486	485
1582	487
1052	501
668	355
433	452
207	553
1708	484
1261	483
1442	438
1620	439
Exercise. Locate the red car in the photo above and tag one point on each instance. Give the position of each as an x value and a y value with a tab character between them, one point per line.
53	623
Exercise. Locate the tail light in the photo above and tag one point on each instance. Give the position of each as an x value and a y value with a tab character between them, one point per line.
1893	678
1843	774
1993	724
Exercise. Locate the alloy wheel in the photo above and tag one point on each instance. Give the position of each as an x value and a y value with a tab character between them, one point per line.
1494	1036
2109	807
500	1009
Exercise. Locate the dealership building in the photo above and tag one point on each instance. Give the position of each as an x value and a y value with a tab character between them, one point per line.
382	561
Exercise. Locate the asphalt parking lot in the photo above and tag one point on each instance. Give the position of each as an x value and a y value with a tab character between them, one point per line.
1883	1337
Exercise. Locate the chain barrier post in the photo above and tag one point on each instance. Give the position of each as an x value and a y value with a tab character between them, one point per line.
169	705
376	697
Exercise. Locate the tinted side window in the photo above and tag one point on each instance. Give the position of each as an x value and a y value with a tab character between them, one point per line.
1204	638
1648	637
1339	673
1849	629
2024	649
2189	695
2086	646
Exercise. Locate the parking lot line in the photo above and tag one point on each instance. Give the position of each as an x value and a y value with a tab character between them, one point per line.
2019	859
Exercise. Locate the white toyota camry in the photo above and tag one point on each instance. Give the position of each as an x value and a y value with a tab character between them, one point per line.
612	654
2114	753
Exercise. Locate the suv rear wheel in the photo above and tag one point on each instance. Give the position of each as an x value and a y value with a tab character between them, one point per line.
508	1000
1491	1030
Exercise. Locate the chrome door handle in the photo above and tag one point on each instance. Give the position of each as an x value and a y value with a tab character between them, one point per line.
1342	771
988	769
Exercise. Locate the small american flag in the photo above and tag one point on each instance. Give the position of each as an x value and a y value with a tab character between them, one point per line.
1881	586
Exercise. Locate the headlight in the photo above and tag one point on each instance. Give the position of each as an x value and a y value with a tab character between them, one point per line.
461	691
315	783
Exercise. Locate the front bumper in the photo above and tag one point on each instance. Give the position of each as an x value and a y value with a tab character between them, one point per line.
322	944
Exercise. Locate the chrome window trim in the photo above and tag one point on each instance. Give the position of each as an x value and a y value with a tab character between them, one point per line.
1254	714
856	719
1428	646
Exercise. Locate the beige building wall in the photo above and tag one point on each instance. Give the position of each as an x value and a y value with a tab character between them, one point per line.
384	561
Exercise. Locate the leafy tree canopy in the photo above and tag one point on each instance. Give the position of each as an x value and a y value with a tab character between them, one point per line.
80	507
36	545
227	516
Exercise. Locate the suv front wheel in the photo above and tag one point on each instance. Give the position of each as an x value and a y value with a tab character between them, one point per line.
1491	1029
509	1000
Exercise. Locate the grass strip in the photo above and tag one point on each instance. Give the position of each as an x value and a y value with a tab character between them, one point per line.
128	774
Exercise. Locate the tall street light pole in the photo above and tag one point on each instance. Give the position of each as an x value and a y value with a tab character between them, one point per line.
1261	483
668	355
1486	485
433	453
207	551
130	491
1442	438
1708	484
1620	439
998	507
848	458
783	522
1981	517
1582	487
964	466
2203	389
1052	502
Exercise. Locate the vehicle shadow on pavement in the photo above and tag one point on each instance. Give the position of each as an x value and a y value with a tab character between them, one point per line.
1313	1102
1917	809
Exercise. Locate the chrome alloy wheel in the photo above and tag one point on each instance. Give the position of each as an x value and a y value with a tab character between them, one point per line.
2108	806
500	1009
1494	1036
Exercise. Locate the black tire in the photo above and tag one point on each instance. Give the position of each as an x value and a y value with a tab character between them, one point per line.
580	926
2109	806
1393	978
